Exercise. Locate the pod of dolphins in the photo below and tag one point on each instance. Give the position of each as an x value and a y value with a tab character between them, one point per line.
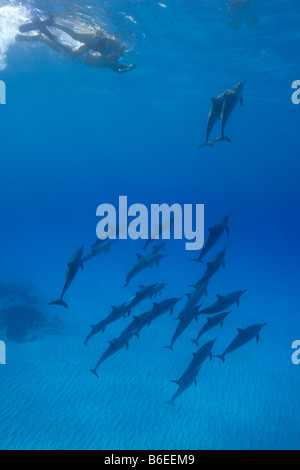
222	108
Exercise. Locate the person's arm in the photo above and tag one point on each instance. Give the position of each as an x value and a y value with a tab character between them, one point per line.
109	61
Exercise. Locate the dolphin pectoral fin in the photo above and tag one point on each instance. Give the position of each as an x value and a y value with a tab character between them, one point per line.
59	302
206	144
257	338
171	402
210	356
177	382
93	371
221	357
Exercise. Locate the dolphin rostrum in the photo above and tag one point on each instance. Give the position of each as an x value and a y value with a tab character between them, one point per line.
215	234
243	337
72	268
223	302
142	263
211	323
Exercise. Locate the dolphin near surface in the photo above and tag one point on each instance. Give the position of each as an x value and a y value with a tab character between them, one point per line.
144	262
72	269
222	108
243	337
215	234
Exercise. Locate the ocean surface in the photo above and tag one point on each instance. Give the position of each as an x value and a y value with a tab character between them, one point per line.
74	137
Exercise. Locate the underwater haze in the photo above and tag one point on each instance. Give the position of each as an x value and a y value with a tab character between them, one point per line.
74	137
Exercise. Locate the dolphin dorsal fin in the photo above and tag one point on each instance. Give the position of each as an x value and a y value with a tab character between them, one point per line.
240	330
114	307
220	297
208	319
211	229
141	286
139	256
214	100
188	295
155	304
209	264
135	317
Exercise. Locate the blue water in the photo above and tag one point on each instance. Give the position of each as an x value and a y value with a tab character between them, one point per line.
73	137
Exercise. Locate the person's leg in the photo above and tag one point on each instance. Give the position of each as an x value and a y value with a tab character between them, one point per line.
38	38
77	52
80	37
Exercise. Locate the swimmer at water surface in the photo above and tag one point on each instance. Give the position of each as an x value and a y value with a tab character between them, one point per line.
100	50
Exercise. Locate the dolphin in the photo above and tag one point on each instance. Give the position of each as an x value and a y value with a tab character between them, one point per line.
222	108
213	117
231	98
194	298
117	312
211	323
72	268
189	379
215	234
114	346
200	357
142	263
223	302
183	324
214	265
38	24
159	247
243	337
99	248
145	319
158	234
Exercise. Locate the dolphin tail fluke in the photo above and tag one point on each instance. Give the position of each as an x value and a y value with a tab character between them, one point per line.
171	402
221	357
222	138
206	144
197	260
195	341
59	302
93	371
169	347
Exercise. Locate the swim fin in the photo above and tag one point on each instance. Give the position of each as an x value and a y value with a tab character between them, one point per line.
59	302
38	25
